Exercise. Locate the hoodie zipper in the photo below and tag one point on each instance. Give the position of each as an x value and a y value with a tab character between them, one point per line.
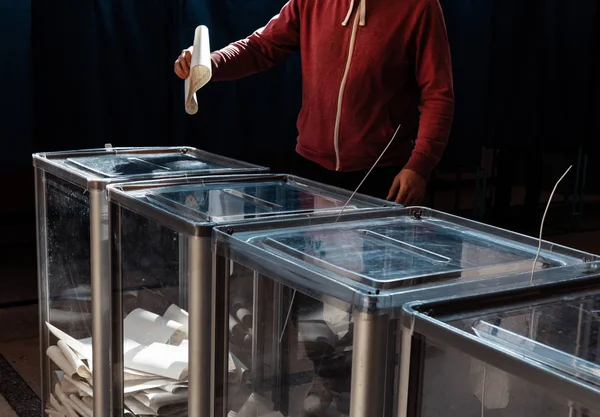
338	117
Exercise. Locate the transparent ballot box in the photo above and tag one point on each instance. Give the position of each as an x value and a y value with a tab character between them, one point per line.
533	351
74	281
162	279
326	299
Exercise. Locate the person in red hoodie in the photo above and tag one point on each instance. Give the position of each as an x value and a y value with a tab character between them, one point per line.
369	67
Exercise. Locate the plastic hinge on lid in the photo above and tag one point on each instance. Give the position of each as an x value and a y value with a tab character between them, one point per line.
107	146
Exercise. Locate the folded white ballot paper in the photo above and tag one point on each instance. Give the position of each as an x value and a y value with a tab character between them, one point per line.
200	69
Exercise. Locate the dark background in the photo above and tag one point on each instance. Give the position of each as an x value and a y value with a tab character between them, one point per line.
81	73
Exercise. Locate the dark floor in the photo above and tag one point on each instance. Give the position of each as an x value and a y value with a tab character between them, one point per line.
19	335
18	298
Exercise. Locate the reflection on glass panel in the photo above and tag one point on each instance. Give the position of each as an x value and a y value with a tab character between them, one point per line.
222	202
155	324
69	306
142	165
289	354
557	333
485	390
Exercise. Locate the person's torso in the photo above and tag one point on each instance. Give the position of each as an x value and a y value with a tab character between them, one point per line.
358	81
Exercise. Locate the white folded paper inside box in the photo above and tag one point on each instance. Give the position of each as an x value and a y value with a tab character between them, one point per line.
156	366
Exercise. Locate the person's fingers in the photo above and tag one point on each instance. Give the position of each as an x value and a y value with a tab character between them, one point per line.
187	55
181	73
185	64
393	189
402	194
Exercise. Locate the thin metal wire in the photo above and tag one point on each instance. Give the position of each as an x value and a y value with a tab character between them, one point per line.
340	213
287	318
368	173
537	256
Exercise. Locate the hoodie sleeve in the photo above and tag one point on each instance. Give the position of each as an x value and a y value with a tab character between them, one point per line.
265	48
434	77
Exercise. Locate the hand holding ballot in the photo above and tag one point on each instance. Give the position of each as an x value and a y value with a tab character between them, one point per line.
194	66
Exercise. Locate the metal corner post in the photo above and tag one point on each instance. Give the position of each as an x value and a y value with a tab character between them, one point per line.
200	327
116	268
101	292
405	354
369	360
280	347
43	293
183	272
258	340
220	334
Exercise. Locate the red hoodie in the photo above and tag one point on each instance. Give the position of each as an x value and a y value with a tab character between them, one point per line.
366	67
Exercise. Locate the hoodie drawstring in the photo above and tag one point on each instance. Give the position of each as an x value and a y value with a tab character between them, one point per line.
362	10
347	19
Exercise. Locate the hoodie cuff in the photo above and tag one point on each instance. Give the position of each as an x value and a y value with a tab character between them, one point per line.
421	164
215	60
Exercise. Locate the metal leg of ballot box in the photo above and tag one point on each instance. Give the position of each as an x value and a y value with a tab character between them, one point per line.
43	290
200	329
258	341
369	360
220	334
183	272
410	381
101	291
116	351
282	340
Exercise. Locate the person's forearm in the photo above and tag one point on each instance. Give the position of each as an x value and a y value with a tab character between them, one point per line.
262	50
434	130
235	61
241	59
434	76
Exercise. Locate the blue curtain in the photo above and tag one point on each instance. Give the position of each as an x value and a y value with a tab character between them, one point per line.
253	118
104	74
469	31
15	83
543	69
526	76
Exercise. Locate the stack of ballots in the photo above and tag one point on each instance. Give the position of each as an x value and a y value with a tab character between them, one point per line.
156	366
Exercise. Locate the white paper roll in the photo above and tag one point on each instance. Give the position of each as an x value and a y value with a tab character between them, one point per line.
200	69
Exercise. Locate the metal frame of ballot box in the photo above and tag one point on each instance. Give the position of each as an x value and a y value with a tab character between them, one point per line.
375	310
80	169
196	262
428	321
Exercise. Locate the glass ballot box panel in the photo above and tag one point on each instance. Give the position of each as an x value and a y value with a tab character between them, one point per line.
312	308
164	341
73	261
526	353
